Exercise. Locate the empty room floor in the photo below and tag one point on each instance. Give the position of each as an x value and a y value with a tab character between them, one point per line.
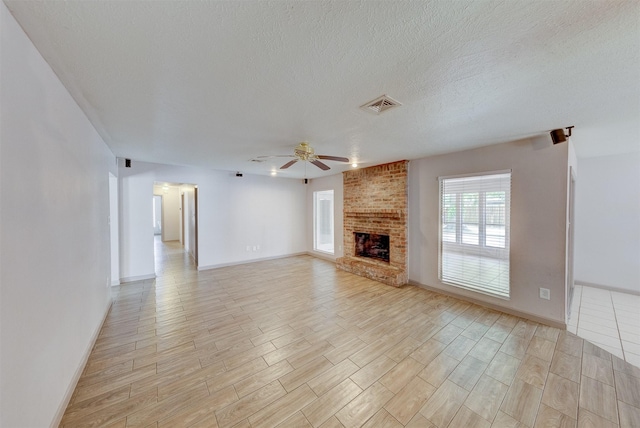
296	343
608	319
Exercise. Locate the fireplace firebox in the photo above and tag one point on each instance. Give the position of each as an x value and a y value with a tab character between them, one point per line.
372	245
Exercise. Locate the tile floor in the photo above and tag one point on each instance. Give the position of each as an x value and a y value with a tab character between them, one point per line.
608	319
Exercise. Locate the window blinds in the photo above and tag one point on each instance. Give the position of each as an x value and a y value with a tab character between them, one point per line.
474	232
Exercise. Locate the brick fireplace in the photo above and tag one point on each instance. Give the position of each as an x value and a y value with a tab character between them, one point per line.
375	202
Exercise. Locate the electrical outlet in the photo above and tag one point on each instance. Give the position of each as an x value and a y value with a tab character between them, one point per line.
255	248
545	293
258	247
248	248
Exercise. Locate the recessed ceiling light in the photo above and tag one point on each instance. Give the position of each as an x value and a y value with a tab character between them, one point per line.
354	165
273	173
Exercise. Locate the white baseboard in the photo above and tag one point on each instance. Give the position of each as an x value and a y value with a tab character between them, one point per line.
514	312
607	287
244	262
115	283
137	278
76	376
323	256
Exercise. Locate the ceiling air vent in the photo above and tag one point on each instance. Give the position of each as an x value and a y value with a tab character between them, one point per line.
380	104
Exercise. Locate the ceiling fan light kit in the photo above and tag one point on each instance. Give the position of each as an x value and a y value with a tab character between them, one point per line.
304	152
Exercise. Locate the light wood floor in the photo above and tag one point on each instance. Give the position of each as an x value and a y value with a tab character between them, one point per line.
295	343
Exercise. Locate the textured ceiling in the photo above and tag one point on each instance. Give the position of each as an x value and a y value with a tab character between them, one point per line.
216	84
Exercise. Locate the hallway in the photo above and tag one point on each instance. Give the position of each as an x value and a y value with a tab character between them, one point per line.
171	259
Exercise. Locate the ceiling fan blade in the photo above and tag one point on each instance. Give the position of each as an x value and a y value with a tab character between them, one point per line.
275	156
288	164
333	158
320	165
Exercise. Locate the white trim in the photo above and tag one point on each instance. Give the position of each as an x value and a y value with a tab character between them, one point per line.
322	255
314	197
328	253
115	283
76	376
138	278
473	174
607	287
244	262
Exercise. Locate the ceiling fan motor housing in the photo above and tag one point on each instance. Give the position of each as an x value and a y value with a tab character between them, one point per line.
305	152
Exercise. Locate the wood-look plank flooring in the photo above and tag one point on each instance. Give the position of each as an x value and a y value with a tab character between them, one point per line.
296	343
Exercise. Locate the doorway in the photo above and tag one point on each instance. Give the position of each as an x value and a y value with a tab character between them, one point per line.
195	225
178	215
114	230
157	215
182	219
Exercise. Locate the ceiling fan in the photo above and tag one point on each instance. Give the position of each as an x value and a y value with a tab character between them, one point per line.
304	152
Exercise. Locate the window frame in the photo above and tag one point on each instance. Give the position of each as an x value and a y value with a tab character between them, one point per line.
481	250
315	198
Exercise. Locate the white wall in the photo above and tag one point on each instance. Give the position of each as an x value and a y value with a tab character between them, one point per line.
607	241
54	269
157	213
136	227
572	176
171	214
114	238
332	182
234	213
189	219
538	210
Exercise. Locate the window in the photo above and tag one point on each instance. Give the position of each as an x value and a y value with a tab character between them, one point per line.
474	234
323	221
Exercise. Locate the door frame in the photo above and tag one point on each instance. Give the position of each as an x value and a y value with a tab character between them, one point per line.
196	239
570	239
182	218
